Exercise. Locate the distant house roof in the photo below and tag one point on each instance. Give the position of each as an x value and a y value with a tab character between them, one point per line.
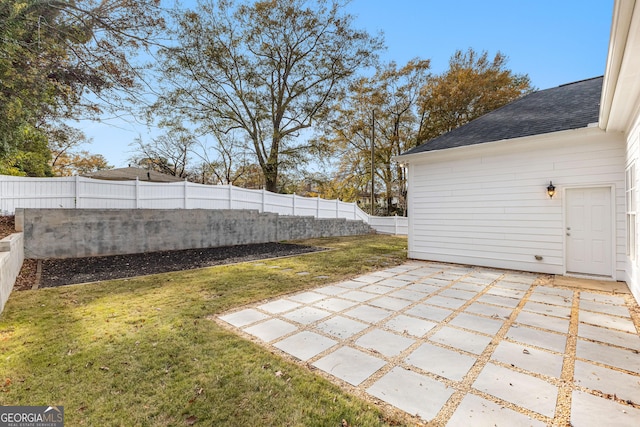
570	106
130	174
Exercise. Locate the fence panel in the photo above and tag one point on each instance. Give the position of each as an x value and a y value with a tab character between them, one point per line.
390	224
208	196
305	206
279	203
244	198
21	192
92	194
79	192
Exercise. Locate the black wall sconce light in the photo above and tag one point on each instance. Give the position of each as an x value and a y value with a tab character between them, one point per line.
551	190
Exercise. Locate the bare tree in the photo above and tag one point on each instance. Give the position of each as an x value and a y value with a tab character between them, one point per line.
265	70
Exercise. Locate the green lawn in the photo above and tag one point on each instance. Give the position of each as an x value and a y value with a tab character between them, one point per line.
143	352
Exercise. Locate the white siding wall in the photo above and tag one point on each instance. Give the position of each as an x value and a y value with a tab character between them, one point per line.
632	268
487	204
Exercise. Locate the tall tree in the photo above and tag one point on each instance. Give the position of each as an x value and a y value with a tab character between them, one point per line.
391	94
472	86
169	153
266	70
64	59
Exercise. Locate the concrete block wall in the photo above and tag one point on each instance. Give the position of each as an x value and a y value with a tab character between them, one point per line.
76	233
11	258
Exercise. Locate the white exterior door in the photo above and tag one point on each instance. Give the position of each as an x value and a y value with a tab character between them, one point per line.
588	231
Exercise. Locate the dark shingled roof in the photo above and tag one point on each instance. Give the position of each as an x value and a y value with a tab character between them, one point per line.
570	106
130	174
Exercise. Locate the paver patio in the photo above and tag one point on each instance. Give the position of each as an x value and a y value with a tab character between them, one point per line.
459	346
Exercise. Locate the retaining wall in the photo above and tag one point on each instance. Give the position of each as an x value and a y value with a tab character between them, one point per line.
11	258
76	233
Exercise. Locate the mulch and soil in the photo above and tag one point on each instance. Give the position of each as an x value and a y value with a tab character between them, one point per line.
59	272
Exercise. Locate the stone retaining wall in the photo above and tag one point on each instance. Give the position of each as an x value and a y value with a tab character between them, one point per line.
75	233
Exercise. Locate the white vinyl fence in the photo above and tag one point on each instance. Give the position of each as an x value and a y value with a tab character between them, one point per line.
87	193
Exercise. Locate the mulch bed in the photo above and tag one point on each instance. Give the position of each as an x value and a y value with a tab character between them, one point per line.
59	272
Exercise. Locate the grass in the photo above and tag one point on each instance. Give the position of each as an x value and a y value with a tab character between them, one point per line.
142	351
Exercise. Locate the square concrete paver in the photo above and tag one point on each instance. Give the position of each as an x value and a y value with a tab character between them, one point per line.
350	365
331	290
368	313
335	304
499	300
551	323
410	325
441	361
394	304
429	312
520	389
307	315
279	306
304	345
489	310
378	289
589	410
608	381
341	327
384	342
271	329
601	319
547	309
545	339
412	392
423	288
476	411
600	307
529	358
394	283
506	292
612	356
546	298
607	299
307	297
477	323
359	296
551	290
619	338
244	317
468	341
408	295
369	278
446	302
462	294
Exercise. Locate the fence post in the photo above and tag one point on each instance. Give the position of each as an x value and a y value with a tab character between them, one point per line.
395	224
293	200
184	193
230	196
137	193
77	192
337	208
264	195
318	207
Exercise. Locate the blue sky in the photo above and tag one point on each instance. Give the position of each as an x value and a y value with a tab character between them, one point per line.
553	41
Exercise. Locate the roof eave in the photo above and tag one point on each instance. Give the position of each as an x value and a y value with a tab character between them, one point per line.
617	106
406	159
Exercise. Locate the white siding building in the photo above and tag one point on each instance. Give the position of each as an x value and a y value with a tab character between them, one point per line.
478	194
